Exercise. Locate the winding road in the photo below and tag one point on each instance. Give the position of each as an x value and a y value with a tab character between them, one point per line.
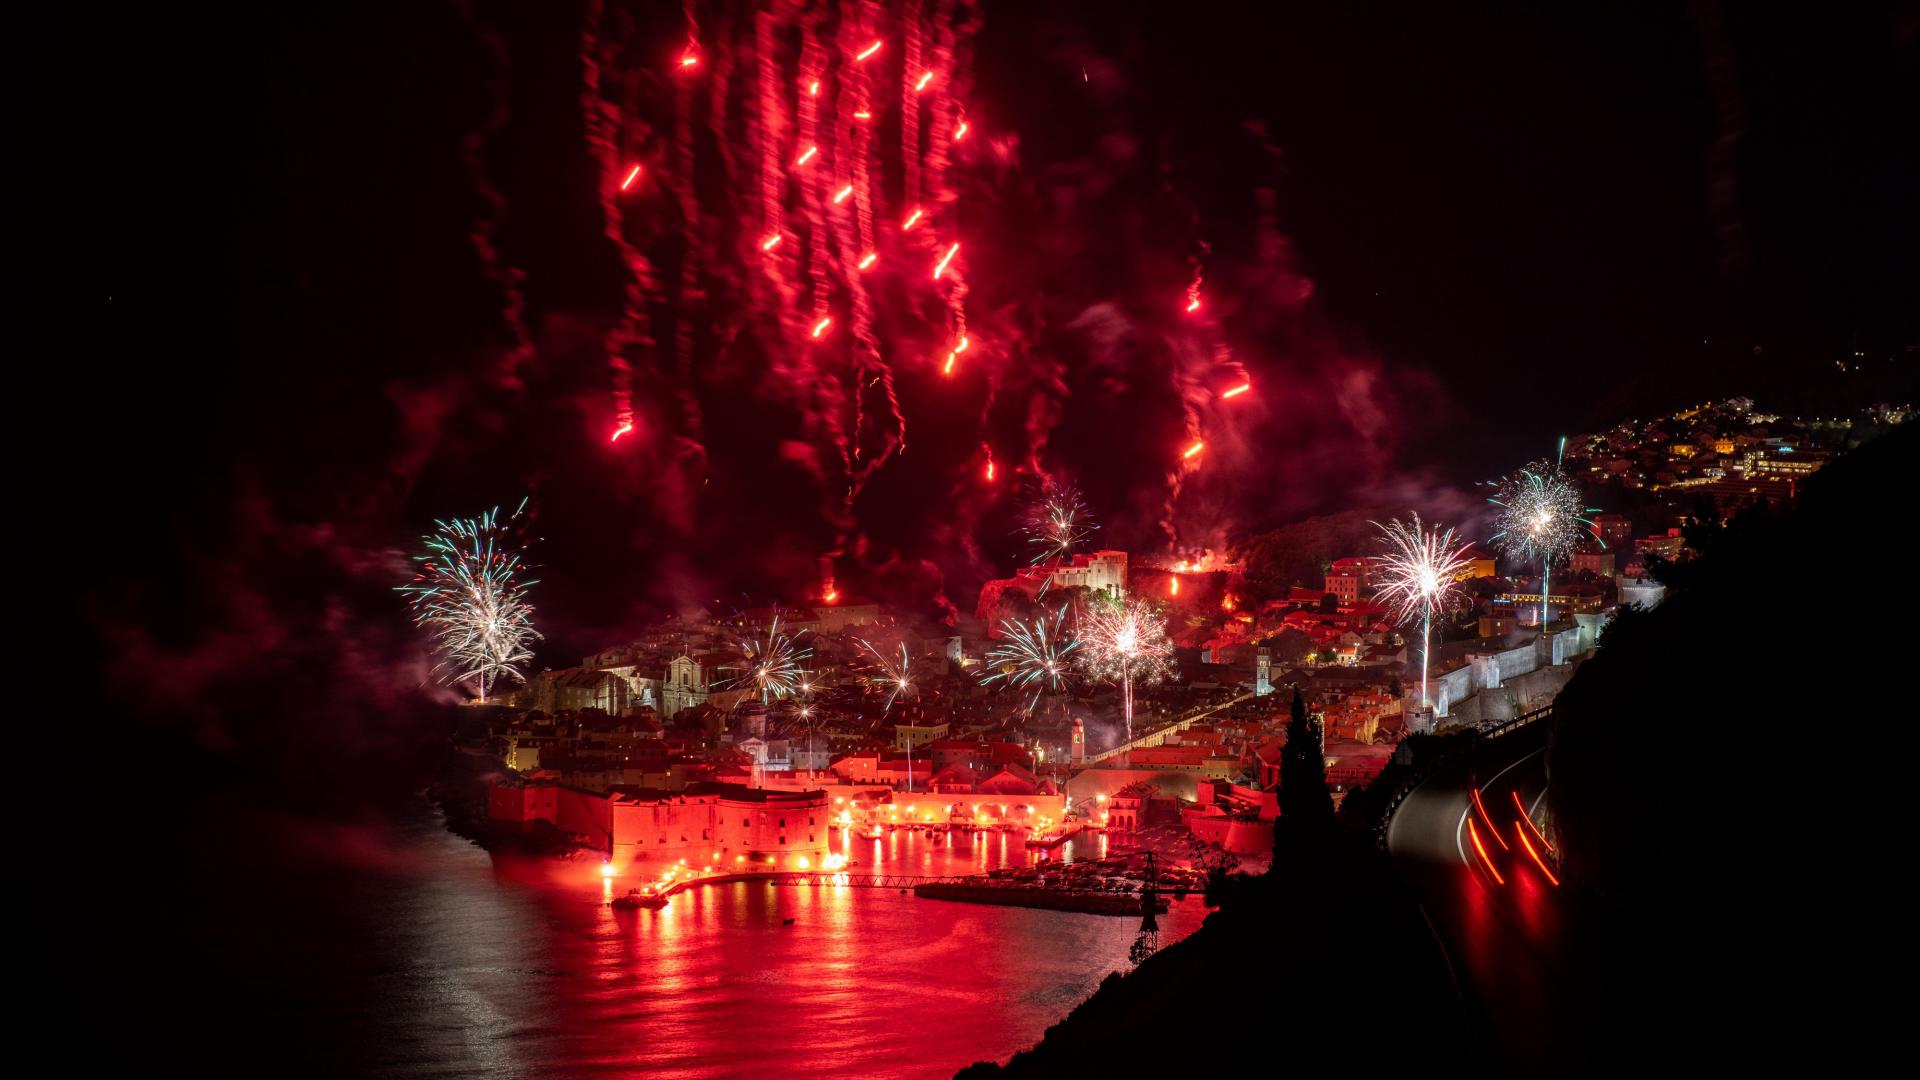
1466	839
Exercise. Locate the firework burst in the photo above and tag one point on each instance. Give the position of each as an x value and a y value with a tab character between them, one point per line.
776	664
1057	522
1541	517
1421	572
1034	656
1125	642
890	672
469	594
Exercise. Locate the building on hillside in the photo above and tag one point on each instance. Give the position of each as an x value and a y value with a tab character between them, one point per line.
707	824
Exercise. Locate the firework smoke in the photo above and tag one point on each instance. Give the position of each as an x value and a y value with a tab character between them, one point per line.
469	594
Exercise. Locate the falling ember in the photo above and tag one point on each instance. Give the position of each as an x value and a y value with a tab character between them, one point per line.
621	430
1194	449
922	84
814	88
770	242
841	195
1193	305
631	177
944	260
961	131
1173	586
821	326
863	115
808	156
689	60
1238	390
868	259
989	470
912	220
869	51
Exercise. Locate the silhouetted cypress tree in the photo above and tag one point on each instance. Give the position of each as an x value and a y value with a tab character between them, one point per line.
1304	800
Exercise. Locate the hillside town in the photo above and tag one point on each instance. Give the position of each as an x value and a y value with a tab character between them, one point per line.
649	750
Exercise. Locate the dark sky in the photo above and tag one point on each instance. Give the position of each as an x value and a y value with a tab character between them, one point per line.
1525	219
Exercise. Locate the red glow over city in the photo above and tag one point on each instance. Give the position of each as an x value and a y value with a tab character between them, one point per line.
631	177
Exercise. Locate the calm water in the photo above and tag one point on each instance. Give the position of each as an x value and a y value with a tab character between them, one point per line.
409	952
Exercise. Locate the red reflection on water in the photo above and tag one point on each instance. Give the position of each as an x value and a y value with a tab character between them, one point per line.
860	982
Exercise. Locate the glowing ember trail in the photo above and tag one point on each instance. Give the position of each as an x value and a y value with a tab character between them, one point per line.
921	86
821	327
770	242
814	88
808	156
841	195
621	430
689	60
944	260
868	259
863	115
912	220
1193	304
631	177
961	131
870	50
1237	391
1194	449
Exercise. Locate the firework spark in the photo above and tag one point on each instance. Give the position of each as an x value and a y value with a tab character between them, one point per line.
1058	522
776	665
892	673
1125	642
1420	578
1541	517
469	594
1035	656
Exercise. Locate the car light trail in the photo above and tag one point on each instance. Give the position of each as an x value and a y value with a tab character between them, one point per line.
1474	835
1488	818
1528	818
1528	844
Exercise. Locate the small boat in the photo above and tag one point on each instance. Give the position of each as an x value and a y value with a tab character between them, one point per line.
786	922
637	899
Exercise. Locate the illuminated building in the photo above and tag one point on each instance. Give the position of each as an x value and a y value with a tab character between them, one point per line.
650	827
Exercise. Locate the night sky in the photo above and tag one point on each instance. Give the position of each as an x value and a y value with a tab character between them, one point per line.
1499	225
